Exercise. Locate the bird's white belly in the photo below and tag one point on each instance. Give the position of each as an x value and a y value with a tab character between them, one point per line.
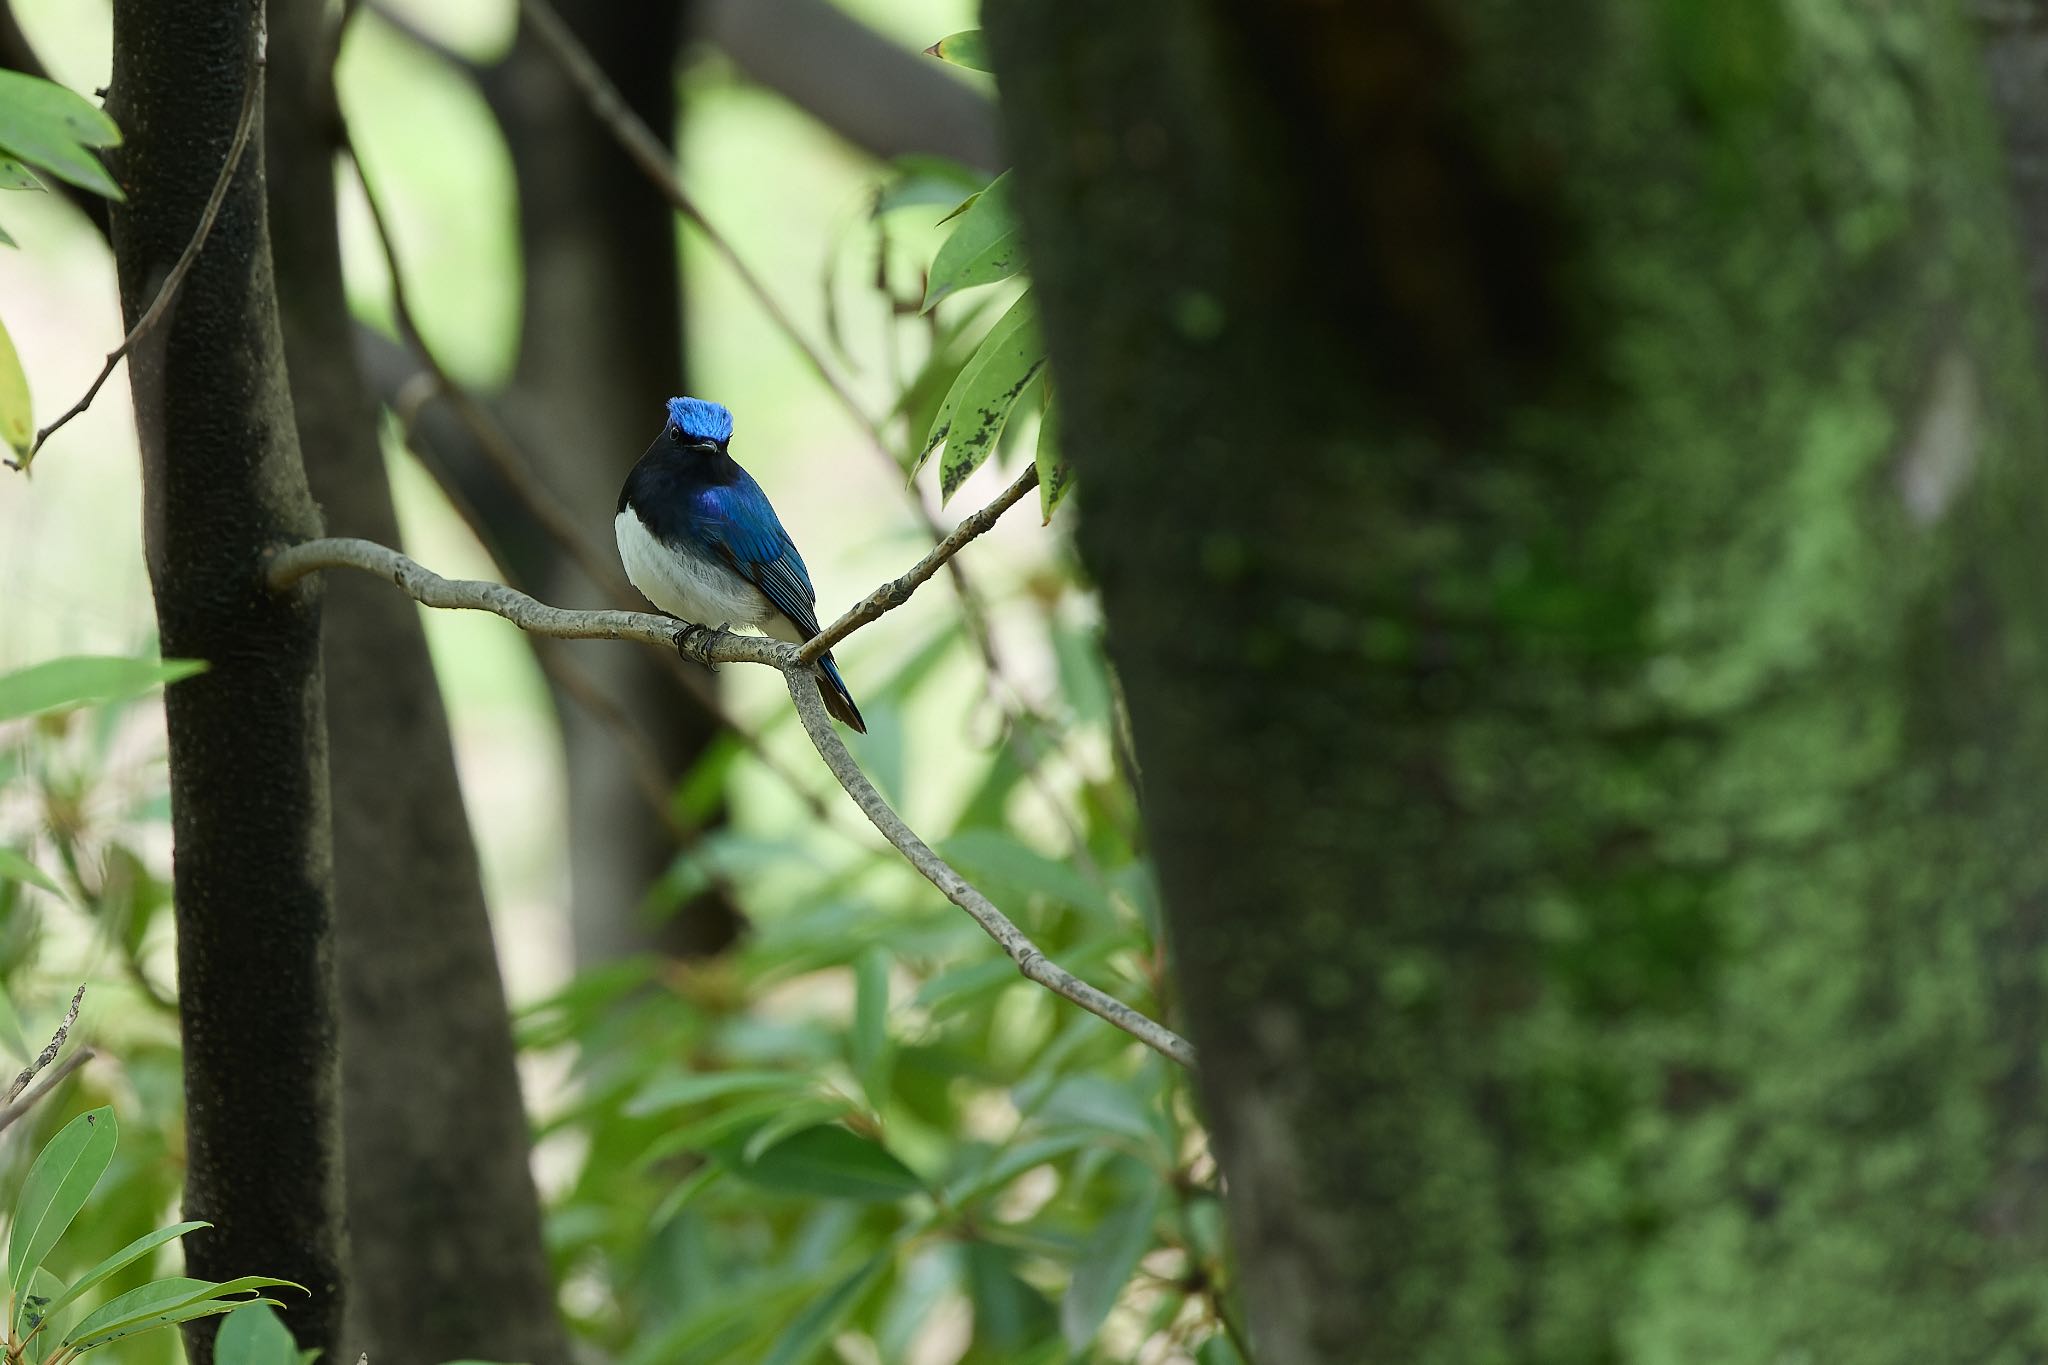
693	590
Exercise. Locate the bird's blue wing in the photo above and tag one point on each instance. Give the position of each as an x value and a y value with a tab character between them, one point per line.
738	521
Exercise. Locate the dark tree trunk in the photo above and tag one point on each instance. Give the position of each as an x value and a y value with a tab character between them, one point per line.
221	484
445	1254
1562	484
600	349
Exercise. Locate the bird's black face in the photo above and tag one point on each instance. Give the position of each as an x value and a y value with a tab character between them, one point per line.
674	440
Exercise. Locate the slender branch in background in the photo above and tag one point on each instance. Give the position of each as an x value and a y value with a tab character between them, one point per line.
895	593
653	158
49	1082
50	1049
492	439
168	291
14	1104
286	566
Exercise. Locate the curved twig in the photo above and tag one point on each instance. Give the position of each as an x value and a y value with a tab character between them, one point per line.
244	121
291	563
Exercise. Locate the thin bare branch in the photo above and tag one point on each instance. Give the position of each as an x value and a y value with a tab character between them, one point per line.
50	1049
896	592
50	1081
288	565
244	121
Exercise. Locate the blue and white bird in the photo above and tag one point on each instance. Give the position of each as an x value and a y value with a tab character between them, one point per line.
700	541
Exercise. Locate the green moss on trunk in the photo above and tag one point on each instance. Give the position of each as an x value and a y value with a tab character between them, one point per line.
1560	482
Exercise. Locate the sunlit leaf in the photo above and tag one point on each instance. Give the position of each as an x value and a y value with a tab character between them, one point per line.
998	855
675	1092
978	405
983	248
813	1327
830	1161
965	48
56	1188
164	1302
85	680
1110	1256
47	125
17	418
15	176
18	868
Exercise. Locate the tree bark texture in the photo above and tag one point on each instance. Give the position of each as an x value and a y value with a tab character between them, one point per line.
600	350
222	483
445	1252
1562	484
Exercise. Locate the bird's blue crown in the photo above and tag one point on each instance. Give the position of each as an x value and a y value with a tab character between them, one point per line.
704	421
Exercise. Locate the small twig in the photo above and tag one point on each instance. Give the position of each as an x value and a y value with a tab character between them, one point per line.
286	566
1034	964
50	1050
50	1081
895	593
244	121
492	439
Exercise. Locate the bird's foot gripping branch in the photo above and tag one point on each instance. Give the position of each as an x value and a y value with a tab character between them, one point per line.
803	675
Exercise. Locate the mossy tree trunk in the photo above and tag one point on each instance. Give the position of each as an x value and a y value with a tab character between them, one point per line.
1564	485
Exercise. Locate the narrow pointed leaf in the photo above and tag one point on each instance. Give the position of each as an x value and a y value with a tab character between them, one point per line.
6	240
813	1327
1107	1261
15	176
15	867
56	1188
162	1302
870	1041
976	408
84	680
830	1161
965	48
984	248
124	1258
17	419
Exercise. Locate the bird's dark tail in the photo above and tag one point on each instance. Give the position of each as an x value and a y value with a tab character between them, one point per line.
839	701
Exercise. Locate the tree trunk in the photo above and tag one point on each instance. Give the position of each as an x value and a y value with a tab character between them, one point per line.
1560	483
249	818
445	1254
600	349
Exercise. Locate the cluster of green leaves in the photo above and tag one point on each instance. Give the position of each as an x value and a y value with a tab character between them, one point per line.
46	1321
861	1126
1001	371
48	129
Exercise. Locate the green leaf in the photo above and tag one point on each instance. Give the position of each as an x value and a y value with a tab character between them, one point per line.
18	868
57	1186
984	248
922	180
6	240
811	1329
965	48
124	1258
998	855
85	680
15	176
677	1092
871	1024
163	1302
255	1335
1106	1262
17	418
971	418
832	1162
46	125
40	1306
1054	478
